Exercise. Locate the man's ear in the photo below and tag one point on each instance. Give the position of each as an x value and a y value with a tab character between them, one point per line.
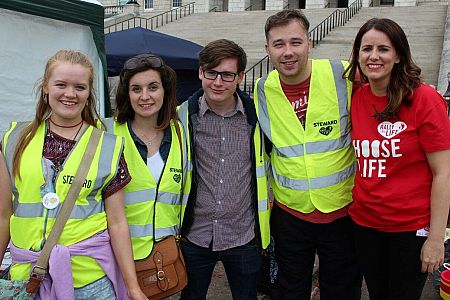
200	73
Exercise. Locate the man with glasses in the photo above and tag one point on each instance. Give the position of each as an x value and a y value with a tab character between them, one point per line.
227	213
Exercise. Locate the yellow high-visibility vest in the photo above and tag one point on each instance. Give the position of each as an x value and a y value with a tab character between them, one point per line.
31	222
312	167
142	190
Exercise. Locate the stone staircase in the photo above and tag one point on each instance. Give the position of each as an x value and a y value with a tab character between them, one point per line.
423	25
244	28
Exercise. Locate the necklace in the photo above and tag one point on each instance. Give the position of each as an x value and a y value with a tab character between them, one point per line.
78	131
64	126
147	141
50	132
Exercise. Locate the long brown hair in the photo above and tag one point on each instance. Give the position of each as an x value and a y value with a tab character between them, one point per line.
43	109
405	76
141	63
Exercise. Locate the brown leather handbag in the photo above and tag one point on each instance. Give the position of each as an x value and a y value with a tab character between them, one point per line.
163	273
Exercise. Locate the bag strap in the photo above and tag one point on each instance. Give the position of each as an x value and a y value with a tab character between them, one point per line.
40	269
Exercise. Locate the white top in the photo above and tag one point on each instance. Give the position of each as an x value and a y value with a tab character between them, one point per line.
155	164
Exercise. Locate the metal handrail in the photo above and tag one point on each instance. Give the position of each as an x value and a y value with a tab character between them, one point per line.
286	7
214	9
155	21
249	8
335	19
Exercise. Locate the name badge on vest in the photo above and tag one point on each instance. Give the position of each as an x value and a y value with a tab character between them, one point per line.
50	200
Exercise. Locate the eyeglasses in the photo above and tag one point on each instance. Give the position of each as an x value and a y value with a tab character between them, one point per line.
226	76
143	60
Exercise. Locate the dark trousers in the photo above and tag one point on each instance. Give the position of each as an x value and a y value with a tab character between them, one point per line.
241	266
390	262
296	244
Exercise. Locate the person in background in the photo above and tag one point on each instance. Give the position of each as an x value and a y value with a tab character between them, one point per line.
227	213
42	157
401	137
146	117
303	108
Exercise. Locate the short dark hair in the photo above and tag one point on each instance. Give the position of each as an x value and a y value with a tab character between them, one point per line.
213	53
124	110
283	17
405	75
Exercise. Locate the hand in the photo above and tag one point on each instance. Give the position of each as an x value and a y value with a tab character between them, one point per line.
432	255
136	294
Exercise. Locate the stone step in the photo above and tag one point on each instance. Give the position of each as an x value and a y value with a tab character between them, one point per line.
424	29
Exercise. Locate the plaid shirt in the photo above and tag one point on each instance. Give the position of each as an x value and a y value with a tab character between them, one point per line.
223	214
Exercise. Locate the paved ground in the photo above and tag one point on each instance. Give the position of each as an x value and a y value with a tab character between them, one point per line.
219	289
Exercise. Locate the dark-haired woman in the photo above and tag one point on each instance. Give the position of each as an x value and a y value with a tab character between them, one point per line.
401	137
146	117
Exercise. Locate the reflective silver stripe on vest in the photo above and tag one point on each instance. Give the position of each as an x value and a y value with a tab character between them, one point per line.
316	183
140	196
342	93
315	147
12	142
263	110
33	210
163	232
260	171
185	198
263	205
169	198
104	162
139	231
318	146
189	166
109	123
27	210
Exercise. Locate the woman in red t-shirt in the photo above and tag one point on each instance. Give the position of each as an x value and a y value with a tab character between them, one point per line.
401	137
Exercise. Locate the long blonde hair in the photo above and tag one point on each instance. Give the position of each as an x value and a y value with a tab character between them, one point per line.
43	109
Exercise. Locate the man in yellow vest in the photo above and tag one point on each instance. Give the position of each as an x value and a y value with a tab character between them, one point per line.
227	213
303	109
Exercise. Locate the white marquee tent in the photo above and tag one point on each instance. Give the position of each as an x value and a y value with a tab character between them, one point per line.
33	30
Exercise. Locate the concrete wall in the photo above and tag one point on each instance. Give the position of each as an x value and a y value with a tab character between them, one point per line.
238	5
445	58
276	4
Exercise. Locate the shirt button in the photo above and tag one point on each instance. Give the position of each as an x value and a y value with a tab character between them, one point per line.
222	160
221	181
223	139
218	202
215	221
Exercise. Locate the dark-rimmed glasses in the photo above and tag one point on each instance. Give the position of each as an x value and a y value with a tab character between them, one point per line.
143	60
226	76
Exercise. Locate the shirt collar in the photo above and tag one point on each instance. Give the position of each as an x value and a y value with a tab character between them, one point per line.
204	107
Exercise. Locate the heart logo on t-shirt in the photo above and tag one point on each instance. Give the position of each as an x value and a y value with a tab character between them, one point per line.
389	130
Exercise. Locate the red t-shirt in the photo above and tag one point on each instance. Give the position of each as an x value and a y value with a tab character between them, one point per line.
298	95
393	182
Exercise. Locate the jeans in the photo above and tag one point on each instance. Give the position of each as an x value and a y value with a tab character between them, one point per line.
241	266
101	289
